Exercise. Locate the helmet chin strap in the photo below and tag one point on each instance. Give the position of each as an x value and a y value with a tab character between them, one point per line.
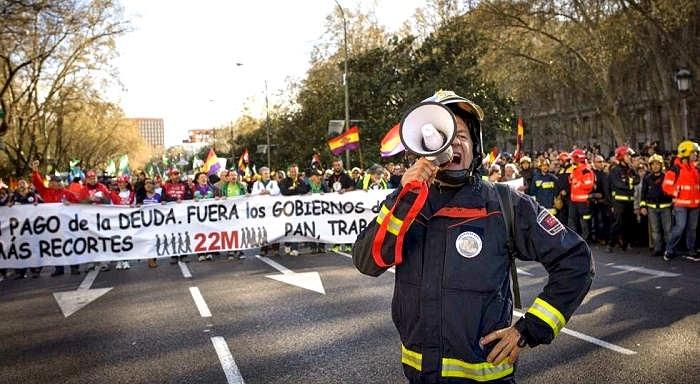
458	177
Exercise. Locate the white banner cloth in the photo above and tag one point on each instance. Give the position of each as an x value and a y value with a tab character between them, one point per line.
57	234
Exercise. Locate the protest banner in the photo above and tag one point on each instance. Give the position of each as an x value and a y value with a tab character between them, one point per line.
57	234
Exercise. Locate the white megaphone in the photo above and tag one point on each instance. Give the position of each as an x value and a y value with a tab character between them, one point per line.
427	130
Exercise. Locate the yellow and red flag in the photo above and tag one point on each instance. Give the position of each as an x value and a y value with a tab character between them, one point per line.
346	142
391	143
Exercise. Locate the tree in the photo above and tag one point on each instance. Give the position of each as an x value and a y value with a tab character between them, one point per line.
57	55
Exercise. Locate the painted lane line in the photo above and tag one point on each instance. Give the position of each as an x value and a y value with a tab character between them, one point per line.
646	271
185	271
275	265
89	279
199	301
590	339
233	374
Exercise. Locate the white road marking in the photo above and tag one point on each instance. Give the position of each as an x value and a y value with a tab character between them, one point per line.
590	339
185	271
233	374
72	301
307	280
199	301
646	271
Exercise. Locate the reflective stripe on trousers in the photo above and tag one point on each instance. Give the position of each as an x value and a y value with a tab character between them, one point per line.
458	368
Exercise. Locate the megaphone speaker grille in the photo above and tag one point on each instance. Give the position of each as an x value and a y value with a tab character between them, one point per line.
427	129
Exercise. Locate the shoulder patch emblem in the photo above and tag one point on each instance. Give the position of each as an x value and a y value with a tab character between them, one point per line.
549	223
469	244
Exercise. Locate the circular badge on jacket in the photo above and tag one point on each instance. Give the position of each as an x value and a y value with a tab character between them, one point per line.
468	244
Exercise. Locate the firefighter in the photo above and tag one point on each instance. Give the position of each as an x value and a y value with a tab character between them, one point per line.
542	186
581	182
563	188
656	205
682	181
452	302
622	181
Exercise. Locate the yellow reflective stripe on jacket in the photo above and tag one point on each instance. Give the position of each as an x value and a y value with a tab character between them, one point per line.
623	198
550	315
394	224
410	358
477	372
458	368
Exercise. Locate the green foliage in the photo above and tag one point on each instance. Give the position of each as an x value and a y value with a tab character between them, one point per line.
383	83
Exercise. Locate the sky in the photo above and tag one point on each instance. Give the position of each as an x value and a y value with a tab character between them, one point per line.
181	62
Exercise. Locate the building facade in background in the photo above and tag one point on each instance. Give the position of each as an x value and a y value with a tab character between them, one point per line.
152	130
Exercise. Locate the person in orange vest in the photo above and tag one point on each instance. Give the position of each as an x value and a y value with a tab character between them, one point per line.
682	181
582	181
622	181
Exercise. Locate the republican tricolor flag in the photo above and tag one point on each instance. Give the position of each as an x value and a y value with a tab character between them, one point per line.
391	143
519	140
346	142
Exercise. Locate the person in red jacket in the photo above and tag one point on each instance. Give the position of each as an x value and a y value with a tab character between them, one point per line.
682	181
55	193
582	181
93	191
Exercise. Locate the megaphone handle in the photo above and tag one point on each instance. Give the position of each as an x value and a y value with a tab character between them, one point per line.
412	213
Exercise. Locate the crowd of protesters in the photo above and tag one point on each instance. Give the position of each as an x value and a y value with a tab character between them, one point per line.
142	189
641	200
644	200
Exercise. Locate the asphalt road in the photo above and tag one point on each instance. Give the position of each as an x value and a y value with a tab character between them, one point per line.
149	329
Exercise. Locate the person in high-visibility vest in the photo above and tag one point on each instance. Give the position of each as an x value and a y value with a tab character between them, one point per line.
622	181
373	179
682	181
656	204
582	181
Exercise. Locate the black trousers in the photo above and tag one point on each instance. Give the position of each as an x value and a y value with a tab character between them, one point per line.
624	223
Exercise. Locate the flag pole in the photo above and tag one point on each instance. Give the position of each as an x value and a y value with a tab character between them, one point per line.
362	166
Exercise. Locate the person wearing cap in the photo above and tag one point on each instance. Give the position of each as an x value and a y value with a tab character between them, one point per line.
292	185
622	178
94	192
55	193
682	181
176	190
444	232
123	195
373	179
356	177
148	197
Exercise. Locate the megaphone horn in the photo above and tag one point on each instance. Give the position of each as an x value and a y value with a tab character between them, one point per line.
427	130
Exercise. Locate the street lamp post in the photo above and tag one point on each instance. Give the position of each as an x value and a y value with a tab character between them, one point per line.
345	82
683	77
267	126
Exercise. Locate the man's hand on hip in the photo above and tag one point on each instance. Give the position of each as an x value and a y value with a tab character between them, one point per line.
507	347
